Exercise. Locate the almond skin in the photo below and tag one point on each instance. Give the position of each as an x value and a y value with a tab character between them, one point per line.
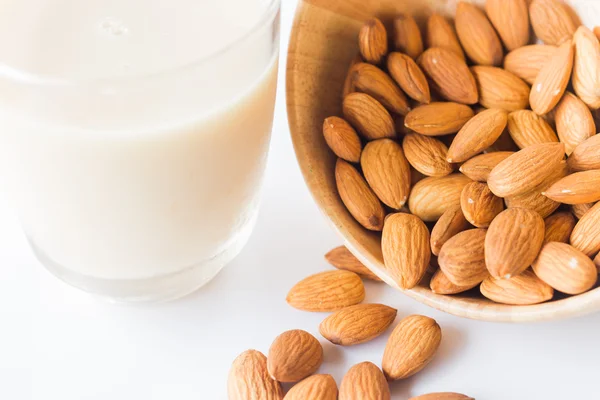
565	268
523	289
364	381
432	196
411	346
574	122
387	171
358	197
409	76
249	378
479	205
357	324
534	201
586	67
442	396
513	241
441	33
479	167
476	135
450	223
586	234
551	21
371	80
558	227
450	75
499	88
586	155
579	210
407	36
527	128
368	116
342	139
427	155
373	41
327	291
440	284
322	387
578	188
511	20
294	355
526	170
342	258
527	61
477	35
438	119
462	258
551	82
405	246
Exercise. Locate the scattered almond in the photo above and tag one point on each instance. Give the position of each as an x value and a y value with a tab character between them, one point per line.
462	258
249	378
479	167
551	21
442	396
527	61
586	67
407	36
432	196
322	387
440	284
409	76
558	227
511	20
578	188
371	80
523	289
364	381
373	41
586	155
477	35
357	324
294	355
479	205
342	139
527	128
565	268
586	234
438	119
427	155
342	258
368	116
579	210
450	223
327	291
349	81
574	122
499	88
440	33
551	82
411	347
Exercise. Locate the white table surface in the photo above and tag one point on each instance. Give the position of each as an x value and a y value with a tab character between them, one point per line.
59	343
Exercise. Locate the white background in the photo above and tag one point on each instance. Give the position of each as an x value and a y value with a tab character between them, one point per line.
59	343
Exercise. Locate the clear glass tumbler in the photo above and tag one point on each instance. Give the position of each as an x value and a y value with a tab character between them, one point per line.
134	182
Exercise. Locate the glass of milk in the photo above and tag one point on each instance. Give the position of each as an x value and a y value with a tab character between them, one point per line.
135	135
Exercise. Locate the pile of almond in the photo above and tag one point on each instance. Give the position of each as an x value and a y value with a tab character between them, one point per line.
473	149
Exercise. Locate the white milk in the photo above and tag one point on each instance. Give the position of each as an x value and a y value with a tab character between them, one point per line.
131	160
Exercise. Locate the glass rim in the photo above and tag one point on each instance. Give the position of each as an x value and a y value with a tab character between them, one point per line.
110	83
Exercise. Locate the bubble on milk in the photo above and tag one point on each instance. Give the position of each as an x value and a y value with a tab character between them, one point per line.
113	27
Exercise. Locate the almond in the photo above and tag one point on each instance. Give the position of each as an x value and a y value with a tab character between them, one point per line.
407	36
527	128
579	210
597	262
387	171
373	41
327	291
558	227
597	32
432	196
294	355
371	80
479	205
527	61
552	80
450	75
450	223
565	268
523	289
438	119
357	324
427	155
364	381
409	76
349	81
499	88
479	167
586	234
476	135
462	258
442	396
477	35
405	246
511	20
342	139
341	258
578	188
513	241
322	387
586	155
586	67
574	122
527	169
411	347
249	378
440	284
551	21
368	116
358	197
534	201
441	33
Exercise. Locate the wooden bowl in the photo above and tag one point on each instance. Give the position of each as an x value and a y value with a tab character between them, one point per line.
322	45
